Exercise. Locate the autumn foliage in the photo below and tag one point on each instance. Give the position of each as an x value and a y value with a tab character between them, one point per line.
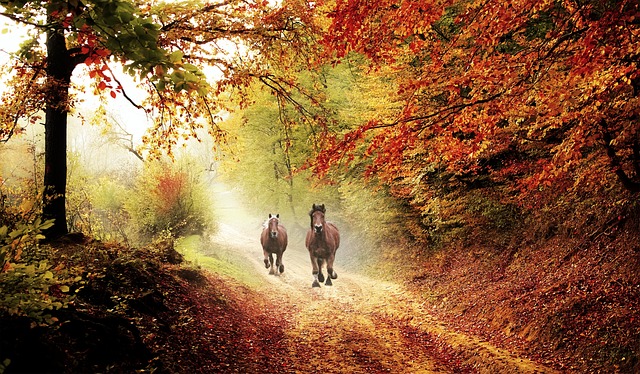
501	139
536	97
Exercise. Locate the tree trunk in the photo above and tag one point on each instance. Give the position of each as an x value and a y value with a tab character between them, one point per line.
59	69
628	182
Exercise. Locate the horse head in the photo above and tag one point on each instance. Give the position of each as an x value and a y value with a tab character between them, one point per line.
273	225
317	218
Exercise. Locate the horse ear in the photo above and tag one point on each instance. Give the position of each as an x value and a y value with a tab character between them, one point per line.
277	215
269	215
322	208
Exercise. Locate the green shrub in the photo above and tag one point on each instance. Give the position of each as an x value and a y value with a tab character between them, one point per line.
169	197
29	286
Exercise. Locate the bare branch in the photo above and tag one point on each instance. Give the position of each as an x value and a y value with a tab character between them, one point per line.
23	21
124	92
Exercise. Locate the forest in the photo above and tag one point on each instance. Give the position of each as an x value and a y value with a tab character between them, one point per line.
481	159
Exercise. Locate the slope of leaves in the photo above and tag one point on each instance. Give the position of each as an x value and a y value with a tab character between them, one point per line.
562	293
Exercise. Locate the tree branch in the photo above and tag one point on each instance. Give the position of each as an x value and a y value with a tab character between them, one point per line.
125	139
21	111
17	19
124	92
614	159
448	110
189	16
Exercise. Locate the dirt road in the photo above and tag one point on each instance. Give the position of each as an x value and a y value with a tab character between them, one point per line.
359	325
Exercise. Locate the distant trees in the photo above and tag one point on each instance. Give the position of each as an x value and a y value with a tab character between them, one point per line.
160	45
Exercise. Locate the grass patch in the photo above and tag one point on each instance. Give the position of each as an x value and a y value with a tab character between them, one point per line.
204	254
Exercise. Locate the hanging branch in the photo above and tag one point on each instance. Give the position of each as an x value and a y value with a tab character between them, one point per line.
616	164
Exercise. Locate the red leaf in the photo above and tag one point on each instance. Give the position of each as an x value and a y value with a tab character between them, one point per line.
103	52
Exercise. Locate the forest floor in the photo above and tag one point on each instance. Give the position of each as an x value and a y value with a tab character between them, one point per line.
148	313
220	311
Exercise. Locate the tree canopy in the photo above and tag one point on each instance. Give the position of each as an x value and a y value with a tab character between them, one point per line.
165	46
528	97
535	94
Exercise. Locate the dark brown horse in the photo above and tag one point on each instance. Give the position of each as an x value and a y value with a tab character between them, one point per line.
323	239
274	241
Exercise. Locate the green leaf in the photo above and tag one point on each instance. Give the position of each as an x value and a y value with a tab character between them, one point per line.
176	57
177	76
202	90
150	26
125	17
47	224
5	363
190	67
30	270
111	21
140	31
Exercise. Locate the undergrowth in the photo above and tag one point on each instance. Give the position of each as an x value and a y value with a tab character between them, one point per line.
202	253
30	285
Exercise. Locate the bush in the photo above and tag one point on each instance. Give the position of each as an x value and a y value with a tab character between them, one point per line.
169	199
29	286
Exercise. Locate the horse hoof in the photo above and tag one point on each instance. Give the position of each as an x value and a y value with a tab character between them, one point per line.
281	269
320	277
328	282
266	264
315	284
272	271
334	276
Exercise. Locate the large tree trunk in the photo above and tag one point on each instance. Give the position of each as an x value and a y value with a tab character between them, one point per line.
59	69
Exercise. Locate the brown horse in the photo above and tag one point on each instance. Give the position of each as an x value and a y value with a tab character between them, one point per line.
274	241
323	239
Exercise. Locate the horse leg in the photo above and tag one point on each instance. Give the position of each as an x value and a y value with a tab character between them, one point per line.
320	275
331	274
272	270
266	259
279	264
330	270
314	271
